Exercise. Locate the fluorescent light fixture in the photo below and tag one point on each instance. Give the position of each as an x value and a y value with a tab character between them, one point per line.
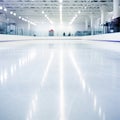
79	12
43	12
61	19
45	15
73	19
50	21
23	19
5	9
20	17
11	12
33	23
1	7
14	14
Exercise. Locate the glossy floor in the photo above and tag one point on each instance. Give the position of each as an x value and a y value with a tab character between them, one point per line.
58	81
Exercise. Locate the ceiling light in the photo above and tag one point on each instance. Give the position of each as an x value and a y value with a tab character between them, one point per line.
61	19
5	9
14	14
33	23
61	1
20	17
43	12
45	15
79	12
73	19
50	21
1	7
23	19
11	12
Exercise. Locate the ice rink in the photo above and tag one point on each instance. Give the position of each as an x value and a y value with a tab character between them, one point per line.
59	80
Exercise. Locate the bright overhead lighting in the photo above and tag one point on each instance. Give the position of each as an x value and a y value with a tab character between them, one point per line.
20	17
33	23
73	19
61	19
26	20
79	12
50	21
43	12
23	19
5	9
11	12
61	1
45	15
1	7
14	14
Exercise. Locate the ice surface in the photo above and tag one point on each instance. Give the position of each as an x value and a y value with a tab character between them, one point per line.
58	81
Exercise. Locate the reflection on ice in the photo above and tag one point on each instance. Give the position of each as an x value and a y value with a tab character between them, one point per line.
82	81
26	59
59	87
62	105
99	111
33	104
13	67
47	69
95	103
86	86
3	76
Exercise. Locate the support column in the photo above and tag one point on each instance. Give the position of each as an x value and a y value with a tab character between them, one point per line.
86	24
116	12
103	14
103	18
92	24
116	16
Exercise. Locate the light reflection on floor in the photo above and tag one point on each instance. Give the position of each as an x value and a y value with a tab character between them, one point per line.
59	82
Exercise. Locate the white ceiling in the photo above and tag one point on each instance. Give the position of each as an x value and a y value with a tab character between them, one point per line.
32	9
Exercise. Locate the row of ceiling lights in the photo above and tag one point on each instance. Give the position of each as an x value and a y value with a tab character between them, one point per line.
14	14
26	20
61	15
50	21
74	18
45	15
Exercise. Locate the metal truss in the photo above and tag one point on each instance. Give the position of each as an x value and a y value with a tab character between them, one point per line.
33	8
